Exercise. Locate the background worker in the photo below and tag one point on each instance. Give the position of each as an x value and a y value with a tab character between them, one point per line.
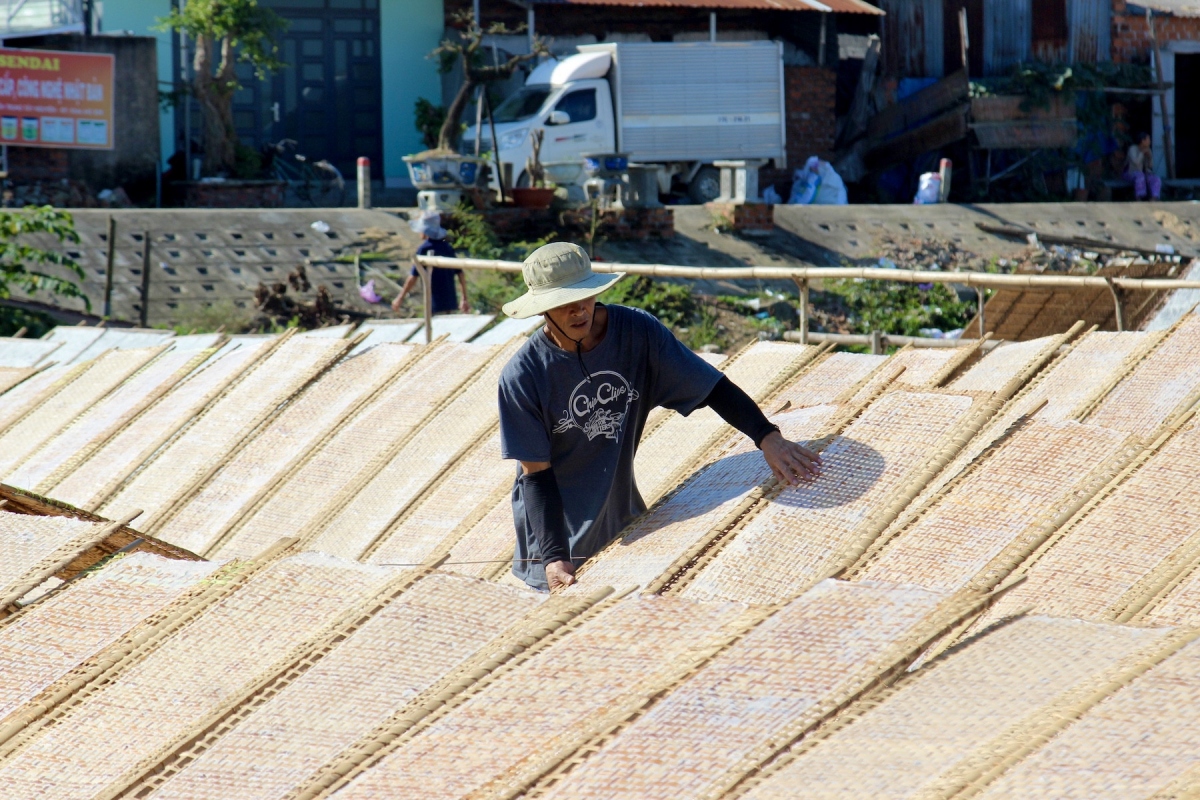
1139	169
573	404
433	243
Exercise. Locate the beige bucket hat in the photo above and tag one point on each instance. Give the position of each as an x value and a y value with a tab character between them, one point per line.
557	275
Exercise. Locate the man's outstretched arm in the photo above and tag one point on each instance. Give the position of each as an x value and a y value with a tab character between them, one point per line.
790	462
547	522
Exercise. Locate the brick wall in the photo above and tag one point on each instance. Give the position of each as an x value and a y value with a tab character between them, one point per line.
1131	34
811	113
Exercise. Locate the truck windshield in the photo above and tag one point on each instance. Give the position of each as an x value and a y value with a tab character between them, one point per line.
522	105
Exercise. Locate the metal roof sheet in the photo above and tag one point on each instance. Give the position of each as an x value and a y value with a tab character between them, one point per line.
834	6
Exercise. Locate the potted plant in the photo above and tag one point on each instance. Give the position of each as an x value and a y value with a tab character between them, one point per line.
443	167
537	194
225	32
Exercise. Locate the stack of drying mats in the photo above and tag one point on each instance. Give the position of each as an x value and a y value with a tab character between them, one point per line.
275	567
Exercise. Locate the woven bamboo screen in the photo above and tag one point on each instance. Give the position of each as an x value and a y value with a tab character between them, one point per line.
1168	377
27	541
54	636
105	738
1005	363
91	478
303	424
386	486
962	712
1065	388
104	419
740	708
98	379
801	532
987	522
25	396
223	426
1104	556
299	499
487	548
828	380
11	376
1135	743
517	726
658	539
921	368
467	491
441	621
680	441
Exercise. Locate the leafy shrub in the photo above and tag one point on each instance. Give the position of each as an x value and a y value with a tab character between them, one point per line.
901	308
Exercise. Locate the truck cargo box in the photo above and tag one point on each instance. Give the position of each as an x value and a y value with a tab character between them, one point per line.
701	101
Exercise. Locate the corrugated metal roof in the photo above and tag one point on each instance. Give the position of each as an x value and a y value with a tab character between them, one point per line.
835	6
1179	8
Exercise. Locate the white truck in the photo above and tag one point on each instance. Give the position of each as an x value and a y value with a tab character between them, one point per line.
677	106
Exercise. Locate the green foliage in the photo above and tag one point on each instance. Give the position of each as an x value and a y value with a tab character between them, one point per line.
429	119
901	308
673	304
14	319
24	266
247	163
250	28
222	315
472	237
1040	81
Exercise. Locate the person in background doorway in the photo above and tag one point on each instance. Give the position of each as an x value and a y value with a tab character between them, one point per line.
1139	169
433	243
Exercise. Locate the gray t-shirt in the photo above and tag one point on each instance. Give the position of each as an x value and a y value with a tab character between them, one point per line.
589	431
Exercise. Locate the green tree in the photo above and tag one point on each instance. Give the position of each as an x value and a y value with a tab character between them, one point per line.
25	266
225	32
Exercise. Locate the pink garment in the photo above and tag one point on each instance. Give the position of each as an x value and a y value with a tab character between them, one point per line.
1143	182
367	292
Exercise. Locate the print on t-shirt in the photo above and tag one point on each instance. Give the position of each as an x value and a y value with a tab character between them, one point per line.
599	406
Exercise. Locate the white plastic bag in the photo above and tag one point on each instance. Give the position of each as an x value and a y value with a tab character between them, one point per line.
929	189
818	183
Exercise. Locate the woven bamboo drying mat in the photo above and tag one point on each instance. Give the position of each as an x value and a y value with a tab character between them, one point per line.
106	418
827	380
300	498
89	479
29	542
48	639
957	716
95	744
1005	363
680	441
386	486
30	393
442	621
11	376
533	715
1134	743
990	520
1167	377
222	428
657	540
1060	392
98	379
921	368
798	533
771	686
1106	554
201	518
467	491
485	549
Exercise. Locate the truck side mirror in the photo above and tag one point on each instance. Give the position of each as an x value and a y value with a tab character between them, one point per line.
558	118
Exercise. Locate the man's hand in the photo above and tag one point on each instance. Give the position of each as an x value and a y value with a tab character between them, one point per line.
465	306
560	575
791	463
399	301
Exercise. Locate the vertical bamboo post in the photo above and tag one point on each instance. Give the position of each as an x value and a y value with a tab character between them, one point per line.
427	286
108	271
1168	149
802	287
1119	308
876	343
144	318
981	300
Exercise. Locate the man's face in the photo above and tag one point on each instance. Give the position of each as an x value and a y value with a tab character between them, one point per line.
574	319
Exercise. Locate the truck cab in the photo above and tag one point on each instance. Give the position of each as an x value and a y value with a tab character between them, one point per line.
575	112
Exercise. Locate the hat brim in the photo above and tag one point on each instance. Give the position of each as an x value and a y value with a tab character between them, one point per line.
530	304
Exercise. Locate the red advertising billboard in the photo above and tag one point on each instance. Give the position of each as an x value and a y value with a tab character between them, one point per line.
50	98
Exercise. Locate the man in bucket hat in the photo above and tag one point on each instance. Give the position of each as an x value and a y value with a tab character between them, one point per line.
573	403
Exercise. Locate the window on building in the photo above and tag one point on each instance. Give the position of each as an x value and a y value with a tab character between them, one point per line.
580	105
1050	31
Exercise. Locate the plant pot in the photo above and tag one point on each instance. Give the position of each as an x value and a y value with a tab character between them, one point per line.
539	199
441	170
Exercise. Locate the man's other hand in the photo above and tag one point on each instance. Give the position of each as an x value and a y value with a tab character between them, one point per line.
560	575
791	463
465	306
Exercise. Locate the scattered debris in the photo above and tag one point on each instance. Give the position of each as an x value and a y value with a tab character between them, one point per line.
276	309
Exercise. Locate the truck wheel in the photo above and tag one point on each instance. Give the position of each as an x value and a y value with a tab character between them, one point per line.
706	186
